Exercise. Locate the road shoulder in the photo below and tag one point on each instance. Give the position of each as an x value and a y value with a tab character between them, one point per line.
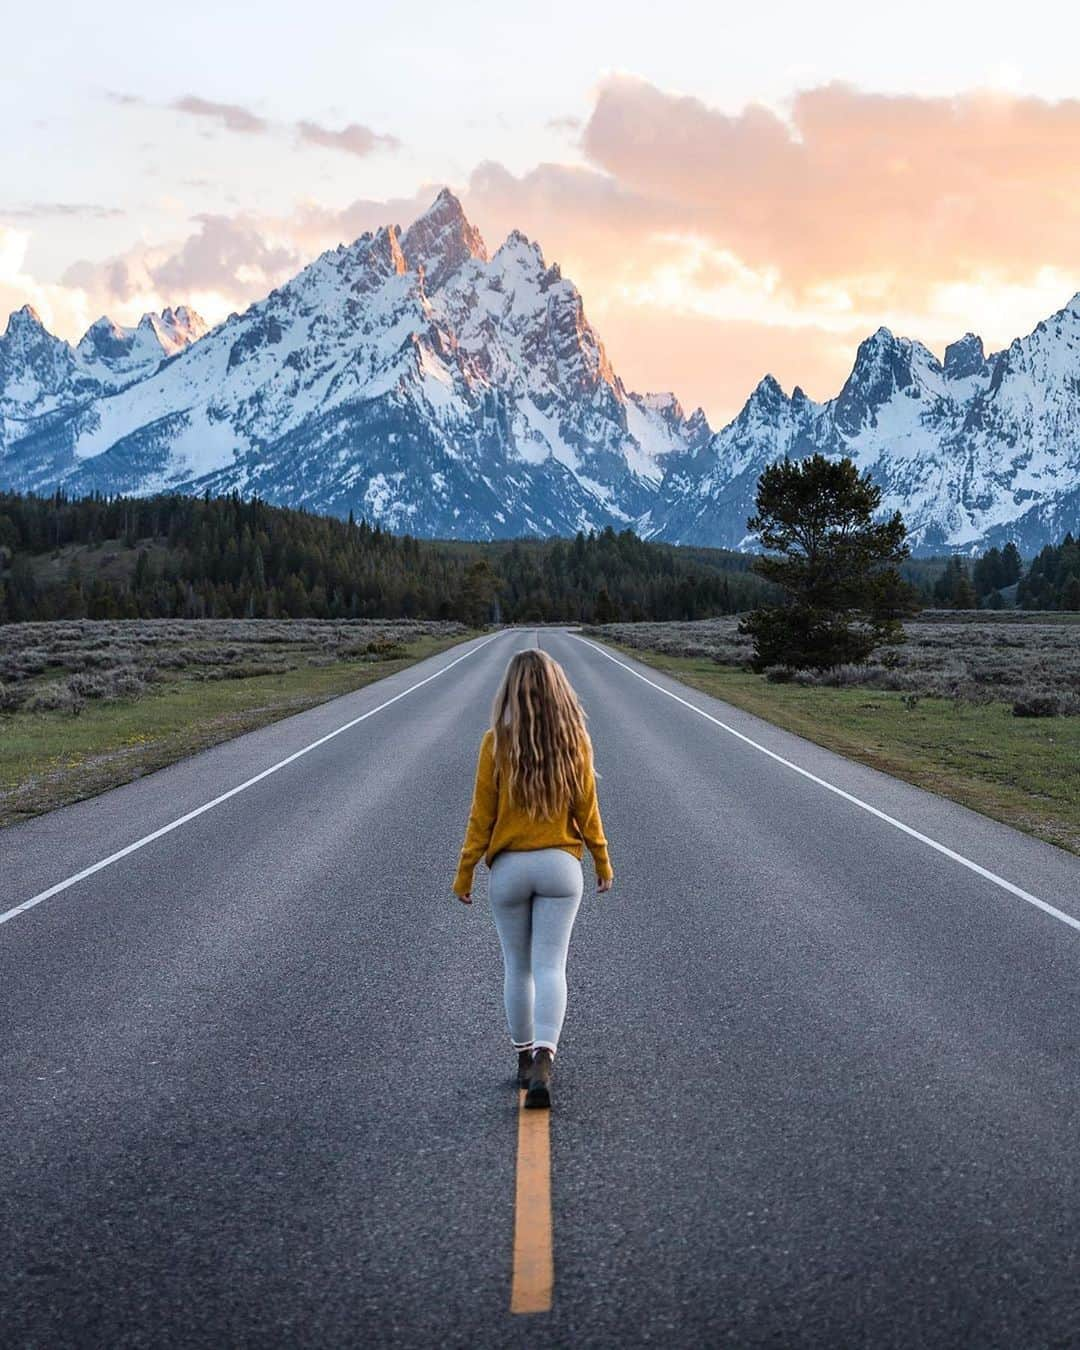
1022	858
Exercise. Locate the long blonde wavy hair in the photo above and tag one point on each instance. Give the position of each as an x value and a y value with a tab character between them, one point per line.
540	734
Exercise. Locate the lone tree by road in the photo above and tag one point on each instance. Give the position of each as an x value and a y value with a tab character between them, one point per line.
835	565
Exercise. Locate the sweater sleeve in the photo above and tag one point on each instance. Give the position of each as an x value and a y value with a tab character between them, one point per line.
481	818
587	816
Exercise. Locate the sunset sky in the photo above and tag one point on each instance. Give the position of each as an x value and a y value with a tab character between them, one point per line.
735	190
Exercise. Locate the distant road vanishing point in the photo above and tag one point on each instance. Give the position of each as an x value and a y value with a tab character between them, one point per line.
818	1084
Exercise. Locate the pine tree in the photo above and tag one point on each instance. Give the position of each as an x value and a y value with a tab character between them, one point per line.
477	594
835	565
963	596
1012	565
605	611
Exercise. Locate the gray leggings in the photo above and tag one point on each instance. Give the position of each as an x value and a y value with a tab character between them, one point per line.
534	896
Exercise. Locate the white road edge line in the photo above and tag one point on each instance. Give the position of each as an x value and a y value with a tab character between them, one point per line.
232	792
848	797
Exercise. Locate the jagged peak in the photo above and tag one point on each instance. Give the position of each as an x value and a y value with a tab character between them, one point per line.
697	430
767	399
26	319
884	364
663	402
371	259
104	327
447	204
966	356
518	246
881	348
908	358
186	316
768	388
172	330
441	240
881	343
105	338
384	250
186	322
1069	311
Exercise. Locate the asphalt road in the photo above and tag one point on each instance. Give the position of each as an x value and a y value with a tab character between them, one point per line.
817	1087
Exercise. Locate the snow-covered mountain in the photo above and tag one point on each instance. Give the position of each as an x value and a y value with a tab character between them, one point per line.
408	377
45	383
974	450
419	381
118	356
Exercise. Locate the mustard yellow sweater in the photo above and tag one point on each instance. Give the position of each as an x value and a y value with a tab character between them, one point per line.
495	824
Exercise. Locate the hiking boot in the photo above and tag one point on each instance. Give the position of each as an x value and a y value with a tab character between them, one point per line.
524	1068
539	1093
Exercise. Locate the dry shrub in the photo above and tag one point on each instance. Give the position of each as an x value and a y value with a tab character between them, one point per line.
88	686
979	659
124	682
21	665
11	697
241	671
1037	703
249	669
103	660
55	697
384	649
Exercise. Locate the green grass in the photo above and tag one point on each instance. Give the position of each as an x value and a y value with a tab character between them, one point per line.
49	759
1022	771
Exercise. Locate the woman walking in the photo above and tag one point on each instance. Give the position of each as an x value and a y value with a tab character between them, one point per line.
534	807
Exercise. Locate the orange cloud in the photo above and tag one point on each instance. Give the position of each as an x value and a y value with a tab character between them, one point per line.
885	195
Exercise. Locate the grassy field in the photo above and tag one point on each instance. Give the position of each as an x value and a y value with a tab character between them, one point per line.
85	706
949	725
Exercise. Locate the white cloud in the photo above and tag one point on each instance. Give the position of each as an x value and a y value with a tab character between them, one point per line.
63	309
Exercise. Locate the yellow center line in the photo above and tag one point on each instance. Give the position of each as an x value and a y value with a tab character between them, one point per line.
534	1267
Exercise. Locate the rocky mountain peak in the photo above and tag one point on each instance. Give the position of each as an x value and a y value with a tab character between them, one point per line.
965	357
666	404
25	323
168	332
882	366
697	430
441	240
183	325
105	341
371	259
35	366
767	398
519	245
